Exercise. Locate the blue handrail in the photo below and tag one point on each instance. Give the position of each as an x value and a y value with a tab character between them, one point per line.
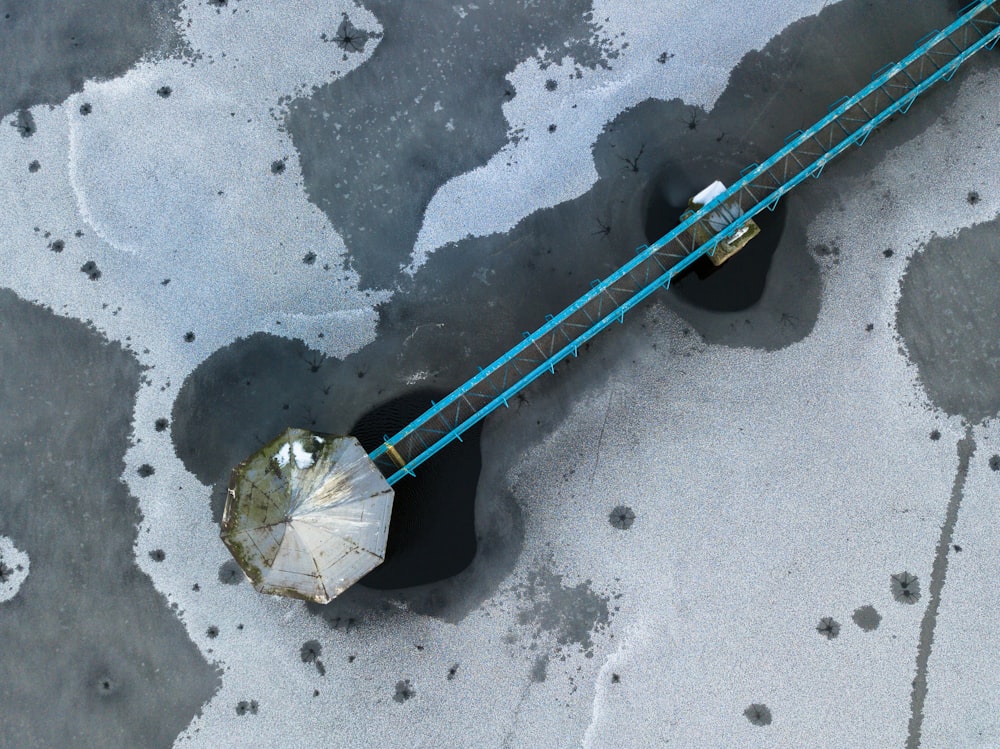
748	177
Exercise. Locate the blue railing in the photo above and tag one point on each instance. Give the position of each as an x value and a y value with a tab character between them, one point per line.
978	24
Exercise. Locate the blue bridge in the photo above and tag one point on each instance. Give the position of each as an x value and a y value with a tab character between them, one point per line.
806	153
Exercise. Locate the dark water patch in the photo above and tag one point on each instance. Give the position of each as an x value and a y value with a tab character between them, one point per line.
426	106
244	394
79	674
244	707
230	573
24	123
48	48
767	295
622	517
952	341
828	627
567	614
310	653
432	533
905	587
348	37
231	405
759	714
404	691
105	686
867	618
539	668
90	270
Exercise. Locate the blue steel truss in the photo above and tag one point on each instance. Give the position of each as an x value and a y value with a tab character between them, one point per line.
849	121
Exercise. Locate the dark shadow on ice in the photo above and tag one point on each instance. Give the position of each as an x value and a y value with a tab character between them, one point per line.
432	533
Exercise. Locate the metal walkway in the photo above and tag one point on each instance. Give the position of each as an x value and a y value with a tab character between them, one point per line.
849	122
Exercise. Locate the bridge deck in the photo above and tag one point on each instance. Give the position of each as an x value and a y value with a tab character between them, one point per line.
849	121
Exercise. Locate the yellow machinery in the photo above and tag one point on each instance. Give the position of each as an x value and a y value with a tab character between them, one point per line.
719	219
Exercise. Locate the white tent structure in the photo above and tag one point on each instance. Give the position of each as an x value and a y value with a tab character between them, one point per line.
721	217
307	515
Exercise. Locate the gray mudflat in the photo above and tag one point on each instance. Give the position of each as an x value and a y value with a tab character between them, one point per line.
92	655
48	48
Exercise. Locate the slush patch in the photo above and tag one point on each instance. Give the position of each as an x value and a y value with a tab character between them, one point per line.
55	46
759	714
828	627
958	366
867	618
905	587
119	650
622	517
404	691
373	156
567	614
24	123
90	270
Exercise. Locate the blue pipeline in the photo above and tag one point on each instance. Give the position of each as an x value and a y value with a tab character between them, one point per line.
989	32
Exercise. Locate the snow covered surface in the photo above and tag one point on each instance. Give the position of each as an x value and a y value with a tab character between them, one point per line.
14	568
770	489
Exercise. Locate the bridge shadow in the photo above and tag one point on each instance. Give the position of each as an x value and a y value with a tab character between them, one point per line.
432	533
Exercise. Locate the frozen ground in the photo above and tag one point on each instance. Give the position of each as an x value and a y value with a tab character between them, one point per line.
760	513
